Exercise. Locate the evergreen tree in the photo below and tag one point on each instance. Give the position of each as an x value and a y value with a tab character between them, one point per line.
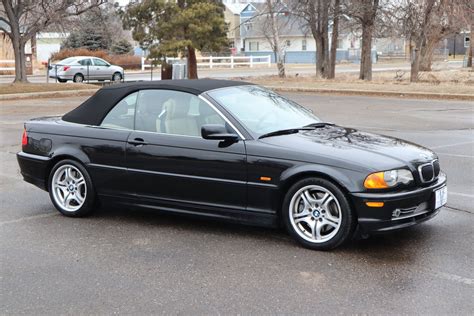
122	47
173	28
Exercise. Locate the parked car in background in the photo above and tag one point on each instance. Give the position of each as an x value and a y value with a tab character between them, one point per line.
80	68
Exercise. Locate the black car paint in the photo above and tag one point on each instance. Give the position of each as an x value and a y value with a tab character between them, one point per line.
192	175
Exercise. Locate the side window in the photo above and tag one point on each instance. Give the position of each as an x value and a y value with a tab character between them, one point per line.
99	62
122	115
85	62
173	112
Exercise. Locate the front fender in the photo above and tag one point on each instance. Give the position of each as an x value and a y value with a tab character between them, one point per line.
351	180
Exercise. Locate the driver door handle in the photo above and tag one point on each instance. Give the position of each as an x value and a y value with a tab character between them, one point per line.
138	142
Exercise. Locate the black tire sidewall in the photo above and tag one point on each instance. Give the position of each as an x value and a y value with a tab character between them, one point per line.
88	205
348	224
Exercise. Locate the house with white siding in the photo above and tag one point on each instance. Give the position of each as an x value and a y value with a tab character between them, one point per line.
296	38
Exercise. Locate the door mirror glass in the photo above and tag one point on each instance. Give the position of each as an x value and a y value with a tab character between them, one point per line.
217	132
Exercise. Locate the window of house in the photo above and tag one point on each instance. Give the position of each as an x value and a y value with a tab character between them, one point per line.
340	43
254	46
304	45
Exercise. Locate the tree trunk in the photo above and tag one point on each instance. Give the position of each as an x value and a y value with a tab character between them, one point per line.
319	57
471	45
334	39
192	63
366	53
427	52
20	60
275	39
415	65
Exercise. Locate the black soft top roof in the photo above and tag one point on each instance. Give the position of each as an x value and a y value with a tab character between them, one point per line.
93	110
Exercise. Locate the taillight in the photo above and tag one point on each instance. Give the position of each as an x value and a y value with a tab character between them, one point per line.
65	68
24	138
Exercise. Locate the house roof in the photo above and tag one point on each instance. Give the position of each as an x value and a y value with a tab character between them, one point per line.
235	8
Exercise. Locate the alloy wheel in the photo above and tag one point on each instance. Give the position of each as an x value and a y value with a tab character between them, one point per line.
69	188
315	214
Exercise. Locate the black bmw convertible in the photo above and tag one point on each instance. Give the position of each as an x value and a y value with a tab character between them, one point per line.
233	151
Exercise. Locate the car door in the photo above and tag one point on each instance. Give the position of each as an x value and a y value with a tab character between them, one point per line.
106	148
170	164
101	69
86	68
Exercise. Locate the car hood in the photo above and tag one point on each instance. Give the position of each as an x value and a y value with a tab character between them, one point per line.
350	148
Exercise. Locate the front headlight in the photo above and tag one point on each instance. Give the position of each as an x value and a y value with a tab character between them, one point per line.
388	179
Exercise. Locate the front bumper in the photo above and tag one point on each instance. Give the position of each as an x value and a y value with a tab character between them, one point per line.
400	210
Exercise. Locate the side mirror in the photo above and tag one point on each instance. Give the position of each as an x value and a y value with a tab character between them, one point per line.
217	132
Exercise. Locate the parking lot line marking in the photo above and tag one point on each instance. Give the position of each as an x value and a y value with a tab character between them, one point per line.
23	219
451	145
455	155
451	277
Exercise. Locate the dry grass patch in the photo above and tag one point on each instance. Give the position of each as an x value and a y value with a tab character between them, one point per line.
436	82
10	88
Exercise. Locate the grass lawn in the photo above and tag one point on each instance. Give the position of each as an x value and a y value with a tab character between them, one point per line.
9	88
459	81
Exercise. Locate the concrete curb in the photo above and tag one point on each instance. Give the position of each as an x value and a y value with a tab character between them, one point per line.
415	95
47	94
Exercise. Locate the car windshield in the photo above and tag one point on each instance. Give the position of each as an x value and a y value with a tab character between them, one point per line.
262	111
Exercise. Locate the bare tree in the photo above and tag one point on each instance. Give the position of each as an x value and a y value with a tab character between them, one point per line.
315	13
365	12
272	33
25	18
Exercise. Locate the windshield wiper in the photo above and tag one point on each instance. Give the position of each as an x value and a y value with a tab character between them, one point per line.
319	124
308	127
287	131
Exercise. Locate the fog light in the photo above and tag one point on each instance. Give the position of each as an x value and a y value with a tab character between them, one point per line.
396	213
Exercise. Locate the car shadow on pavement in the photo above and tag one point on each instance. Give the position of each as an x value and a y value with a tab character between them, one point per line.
391	246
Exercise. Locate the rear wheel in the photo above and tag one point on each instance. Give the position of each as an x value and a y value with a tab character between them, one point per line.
78	78
70	189
317	214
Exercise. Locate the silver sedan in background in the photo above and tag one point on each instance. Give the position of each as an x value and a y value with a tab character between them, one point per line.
80	68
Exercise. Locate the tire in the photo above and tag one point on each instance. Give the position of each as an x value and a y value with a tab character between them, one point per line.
317	214
62	80
78	78
72	194
116	77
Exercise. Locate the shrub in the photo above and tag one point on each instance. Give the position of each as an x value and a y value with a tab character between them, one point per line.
125	61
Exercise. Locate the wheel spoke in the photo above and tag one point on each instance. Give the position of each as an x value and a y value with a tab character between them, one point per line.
308	198
306	219
331	217
330	223
79	199
316	230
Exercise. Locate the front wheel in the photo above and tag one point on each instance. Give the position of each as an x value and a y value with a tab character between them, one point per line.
117	77
317	214
70	189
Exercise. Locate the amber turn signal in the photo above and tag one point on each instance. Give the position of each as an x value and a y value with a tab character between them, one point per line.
375	181
266	179
374	204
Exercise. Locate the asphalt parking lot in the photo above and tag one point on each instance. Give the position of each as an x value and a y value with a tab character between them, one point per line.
133	262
